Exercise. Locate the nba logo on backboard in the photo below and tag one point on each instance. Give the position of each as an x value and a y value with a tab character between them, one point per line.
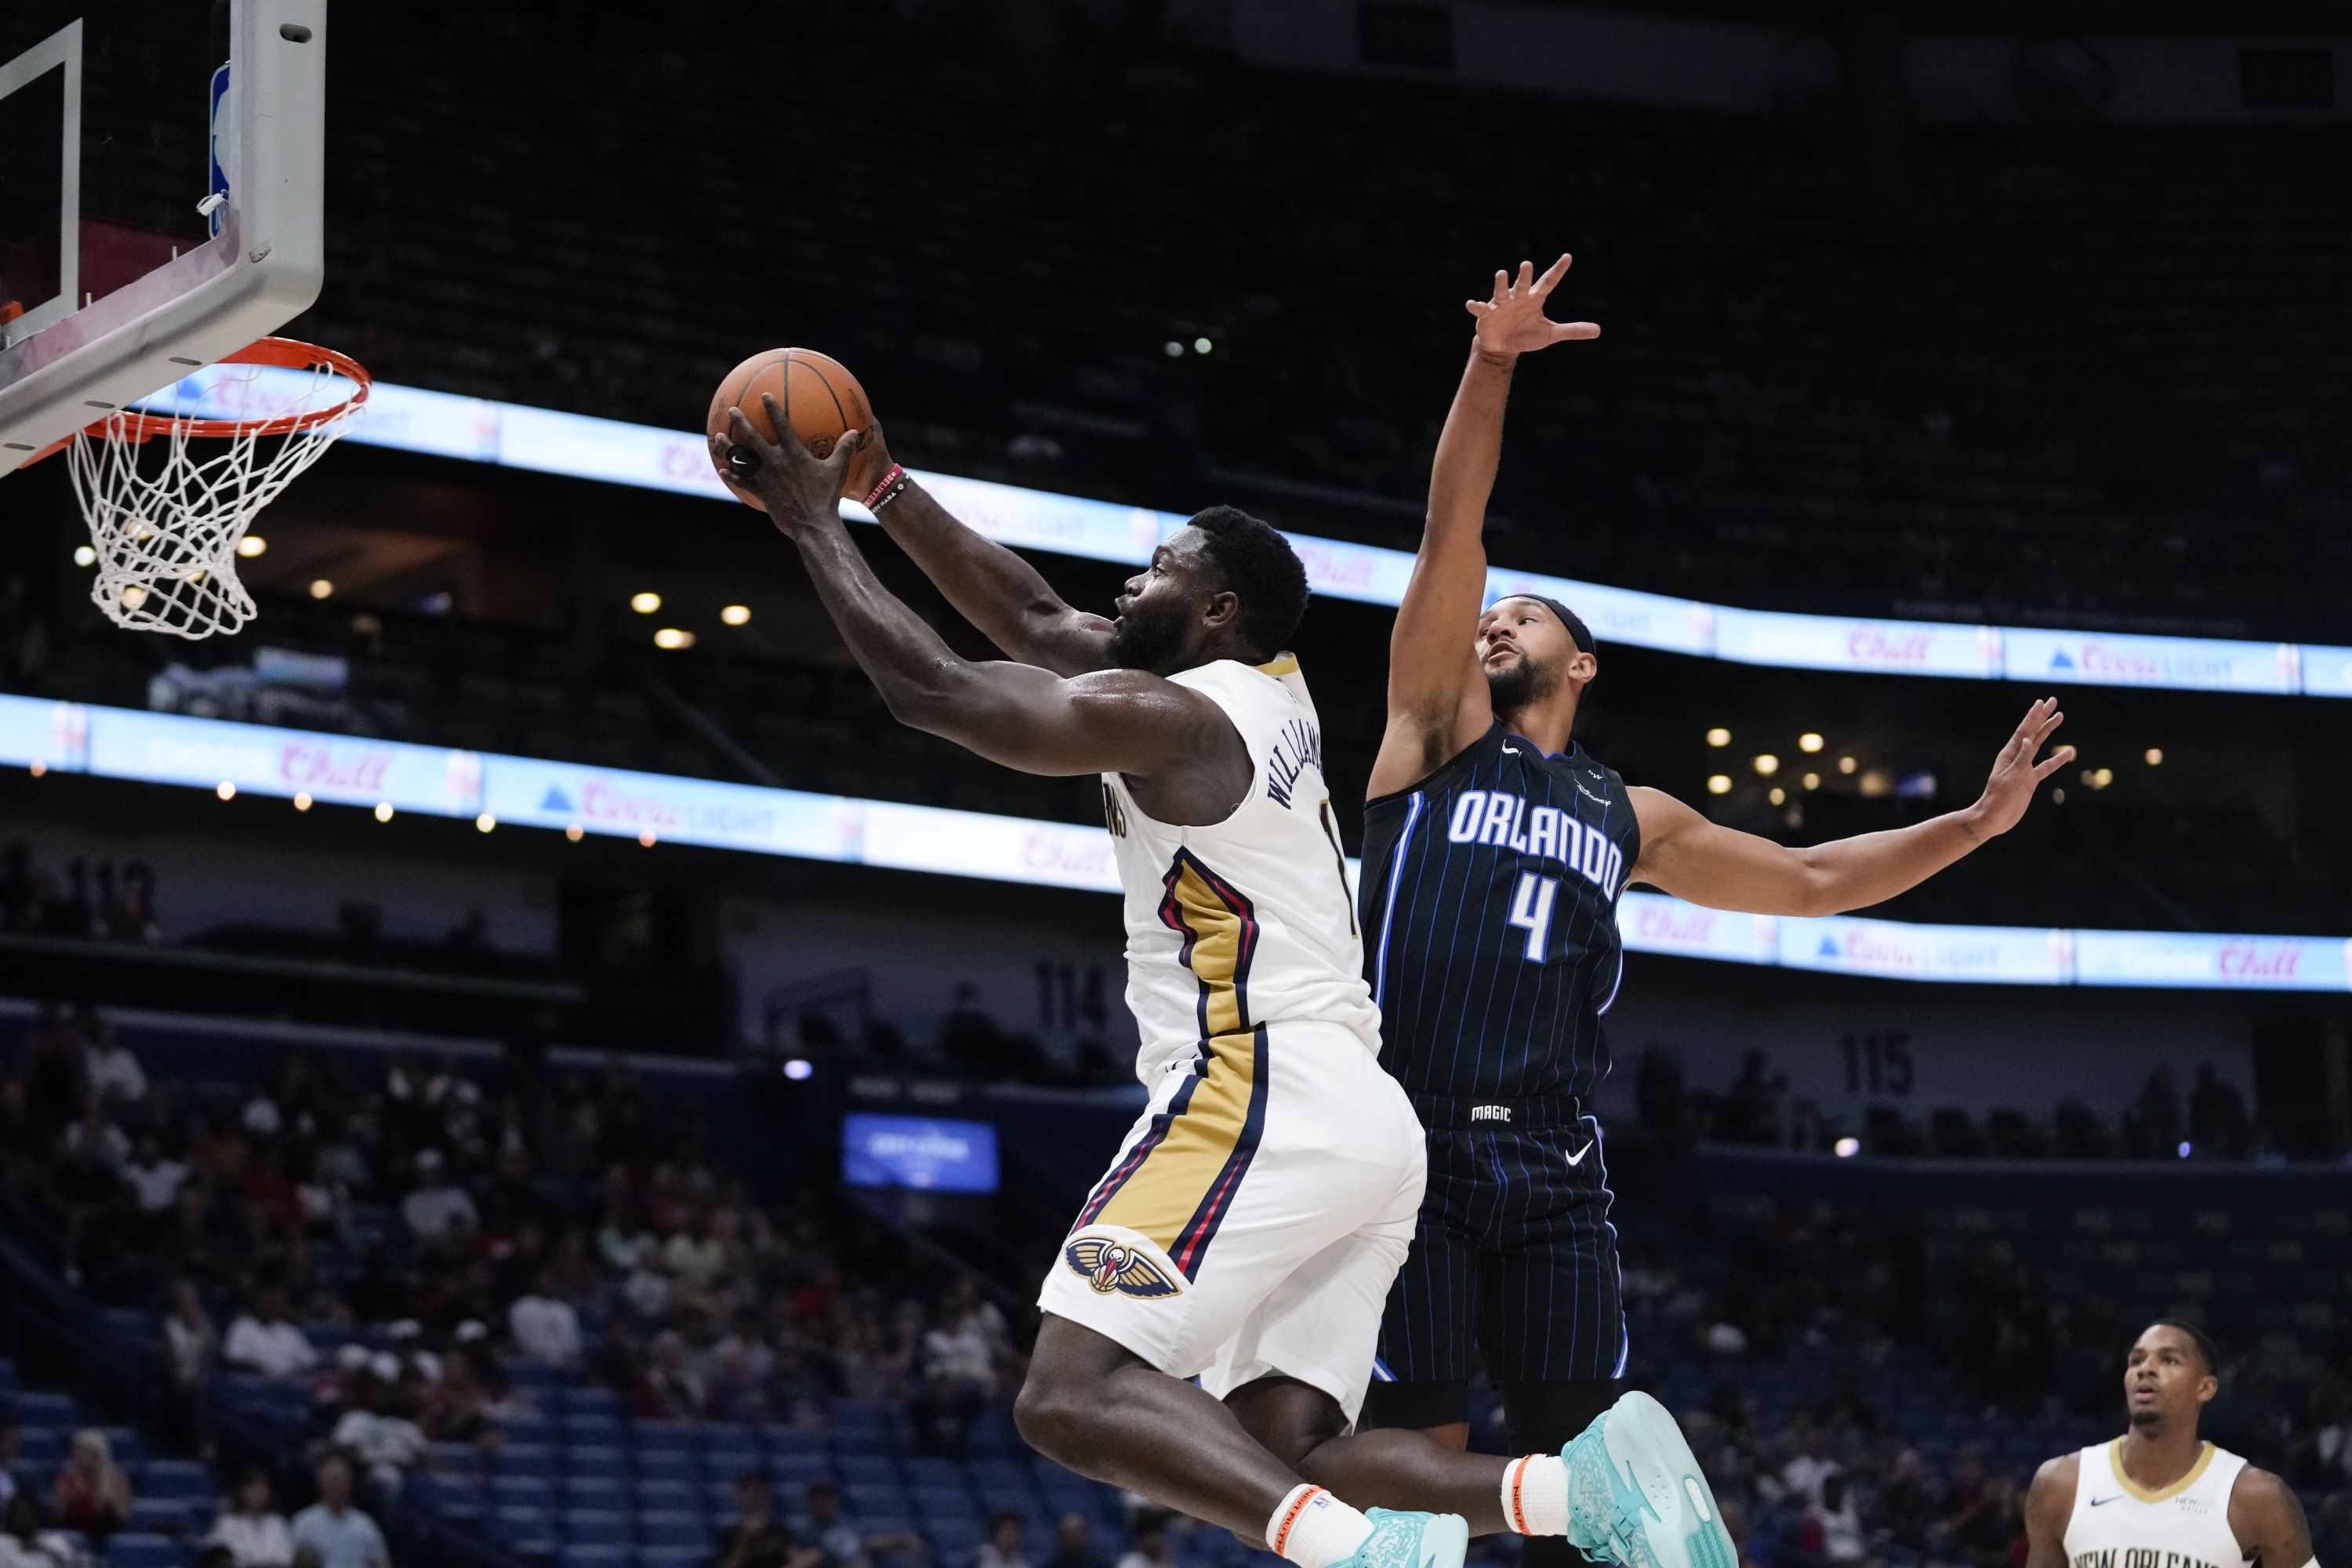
221	157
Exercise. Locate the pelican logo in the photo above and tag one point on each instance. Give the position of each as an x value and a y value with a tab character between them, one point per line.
1109	1266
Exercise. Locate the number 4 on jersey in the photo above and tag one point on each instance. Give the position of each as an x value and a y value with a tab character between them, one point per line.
1531	911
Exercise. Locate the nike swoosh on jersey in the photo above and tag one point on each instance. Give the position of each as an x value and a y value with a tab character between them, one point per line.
2103	1502
1578	1158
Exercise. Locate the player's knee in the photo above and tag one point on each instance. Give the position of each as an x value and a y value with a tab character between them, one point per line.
1053	1413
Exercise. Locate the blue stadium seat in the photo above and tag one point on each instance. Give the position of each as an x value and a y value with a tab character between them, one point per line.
864	1500
954	1539
673	1556
527	1373
729	1434
526	1460
867	1469
38	1409
661	1492
925	1471
139	1550
446	1495
718	1498
671	1526
39	1447
676	1434
944	1502
525	1528
669	1464
593	1491
596	1526
526	1425
174	1479
727	1464
786	1442
596	1428
160	1515
584	1401
597	1554
523	1491
463	1458
607	1463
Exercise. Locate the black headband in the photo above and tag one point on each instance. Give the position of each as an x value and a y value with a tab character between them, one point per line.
1578	632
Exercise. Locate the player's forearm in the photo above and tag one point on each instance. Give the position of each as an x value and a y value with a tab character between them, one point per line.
1870	868
916	672
990	585
1468	450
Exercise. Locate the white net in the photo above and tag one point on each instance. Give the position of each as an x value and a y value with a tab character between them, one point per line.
166	514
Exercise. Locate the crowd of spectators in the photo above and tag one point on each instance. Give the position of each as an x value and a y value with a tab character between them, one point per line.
85	900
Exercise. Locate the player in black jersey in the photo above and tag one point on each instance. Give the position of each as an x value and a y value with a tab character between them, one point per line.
1495	849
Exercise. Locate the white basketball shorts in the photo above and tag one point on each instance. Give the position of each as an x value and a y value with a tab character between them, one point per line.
1256	1215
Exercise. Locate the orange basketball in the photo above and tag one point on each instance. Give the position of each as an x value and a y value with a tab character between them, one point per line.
819	396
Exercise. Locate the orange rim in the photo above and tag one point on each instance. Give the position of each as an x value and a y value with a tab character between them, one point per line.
283	352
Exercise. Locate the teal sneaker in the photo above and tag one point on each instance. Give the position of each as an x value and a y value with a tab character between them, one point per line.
1636	1495
1400	1539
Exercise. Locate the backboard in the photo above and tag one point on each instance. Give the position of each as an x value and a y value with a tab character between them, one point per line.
162	185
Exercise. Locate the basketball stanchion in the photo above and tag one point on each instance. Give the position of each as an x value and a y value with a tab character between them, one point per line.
166	534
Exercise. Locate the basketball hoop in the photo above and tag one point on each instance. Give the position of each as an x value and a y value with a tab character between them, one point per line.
167	539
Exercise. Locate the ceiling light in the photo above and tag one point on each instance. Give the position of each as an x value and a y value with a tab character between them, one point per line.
85	556
2103	778
1719	784
39	767
1768	764
645	604
573	833
1172	349
736	614
1813	781
1847	1148
2154	756
251	545
383	811
320	587
1809	742
301	800
486	822
672	638
225	790
646	839
1845	765
1719	737
1201	345
1778	797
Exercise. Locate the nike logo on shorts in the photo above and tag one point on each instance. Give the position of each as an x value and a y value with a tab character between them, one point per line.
1578	1158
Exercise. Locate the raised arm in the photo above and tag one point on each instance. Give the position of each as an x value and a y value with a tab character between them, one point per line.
1112	720
989	585
1437	693
1722	868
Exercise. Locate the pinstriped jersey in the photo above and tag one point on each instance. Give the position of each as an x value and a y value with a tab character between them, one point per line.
1489	906
1248	920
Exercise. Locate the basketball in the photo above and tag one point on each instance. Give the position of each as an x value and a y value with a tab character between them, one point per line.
820	396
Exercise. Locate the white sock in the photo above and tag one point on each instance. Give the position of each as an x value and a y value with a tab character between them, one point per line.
1313	1529
1534	1495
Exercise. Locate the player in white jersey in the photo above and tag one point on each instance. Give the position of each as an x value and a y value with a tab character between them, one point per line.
1249	1228
2159	1496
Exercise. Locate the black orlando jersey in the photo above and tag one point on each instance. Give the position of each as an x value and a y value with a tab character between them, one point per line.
1489	909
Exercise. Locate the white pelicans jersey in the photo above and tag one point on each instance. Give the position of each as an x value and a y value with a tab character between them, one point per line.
2118	1523
1250	921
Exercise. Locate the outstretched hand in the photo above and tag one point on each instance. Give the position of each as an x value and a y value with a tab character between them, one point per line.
1513	322
2015	773
800	490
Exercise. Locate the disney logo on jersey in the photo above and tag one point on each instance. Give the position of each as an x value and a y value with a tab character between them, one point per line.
1298	747
1110	1265
1502	819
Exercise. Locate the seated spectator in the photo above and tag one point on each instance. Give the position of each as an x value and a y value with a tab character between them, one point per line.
108	1066
756	1539
436	1205
942	1415
215	1555
191	1343
1007	1545
25	1544
91	1493
339	1534
1152	1548
668	1390
253	1529
264	1339
840	1544
154	1176
1806	1469
382	1444
415	1363
1834	1524
1074	1545
543	1325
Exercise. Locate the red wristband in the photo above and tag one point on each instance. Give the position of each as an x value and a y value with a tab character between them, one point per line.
874	497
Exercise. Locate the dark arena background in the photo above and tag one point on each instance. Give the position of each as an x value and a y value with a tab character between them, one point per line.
523	1015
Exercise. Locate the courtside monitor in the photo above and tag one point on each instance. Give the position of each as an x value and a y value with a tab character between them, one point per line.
922	1154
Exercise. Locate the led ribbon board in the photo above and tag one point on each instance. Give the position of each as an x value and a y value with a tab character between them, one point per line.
477	430
435	780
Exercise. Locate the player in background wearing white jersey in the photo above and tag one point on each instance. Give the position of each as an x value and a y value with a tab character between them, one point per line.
2159	1494
1248	1231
